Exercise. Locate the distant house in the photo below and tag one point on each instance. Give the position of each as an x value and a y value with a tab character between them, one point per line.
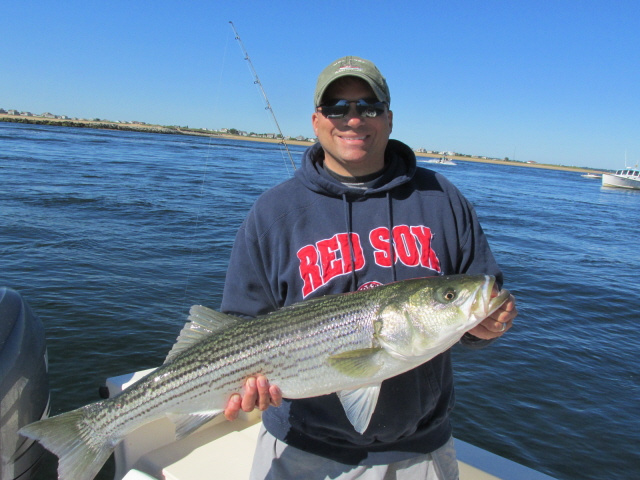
2	110
48	115
14	112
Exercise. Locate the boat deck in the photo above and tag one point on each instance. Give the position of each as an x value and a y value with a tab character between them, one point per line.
229	446
151	452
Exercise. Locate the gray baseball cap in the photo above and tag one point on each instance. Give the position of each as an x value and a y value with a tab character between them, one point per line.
353	67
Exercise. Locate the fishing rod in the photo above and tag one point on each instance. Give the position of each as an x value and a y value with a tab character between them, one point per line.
264	94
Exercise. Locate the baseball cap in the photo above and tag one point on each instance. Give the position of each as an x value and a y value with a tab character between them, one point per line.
353	67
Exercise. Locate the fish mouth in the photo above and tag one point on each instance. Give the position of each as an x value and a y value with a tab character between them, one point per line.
483	304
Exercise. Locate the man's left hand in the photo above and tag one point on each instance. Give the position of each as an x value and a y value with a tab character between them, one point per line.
498	323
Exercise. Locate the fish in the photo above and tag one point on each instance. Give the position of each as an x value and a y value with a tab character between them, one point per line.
344	343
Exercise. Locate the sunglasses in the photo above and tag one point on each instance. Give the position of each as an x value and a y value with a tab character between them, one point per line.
365	108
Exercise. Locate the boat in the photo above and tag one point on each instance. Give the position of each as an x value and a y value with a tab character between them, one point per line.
625	178
591	175
151	452
441	161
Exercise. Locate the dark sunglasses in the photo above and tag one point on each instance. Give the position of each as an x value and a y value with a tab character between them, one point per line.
365	108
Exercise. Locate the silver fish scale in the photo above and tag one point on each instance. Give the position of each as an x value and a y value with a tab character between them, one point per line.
289	346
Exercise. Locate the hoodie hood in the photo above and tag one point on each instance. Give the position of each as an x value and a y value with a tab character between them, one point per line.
400	163
399	159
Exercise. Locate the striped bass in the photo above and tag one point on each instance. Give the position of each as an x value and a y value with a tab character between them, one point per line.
347	343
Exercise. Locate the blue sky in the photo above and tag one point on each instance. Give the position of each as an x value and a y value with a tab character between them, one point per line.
549	81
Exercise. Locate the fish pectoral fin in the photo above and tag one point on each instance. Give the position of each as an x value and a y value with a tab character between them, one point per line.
359	405
361	363
201	323
409	352
189	423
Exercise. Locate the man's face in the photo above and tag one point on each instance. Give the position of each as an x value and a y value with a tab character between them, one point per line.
353	145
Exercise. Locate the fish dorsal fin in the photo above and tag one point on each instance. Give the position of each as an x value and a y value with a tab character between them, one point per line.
207	320
359	405
189	423
201	323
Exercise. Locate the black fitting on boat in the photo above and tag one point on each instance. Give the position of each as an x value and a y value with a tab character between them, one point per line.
103	391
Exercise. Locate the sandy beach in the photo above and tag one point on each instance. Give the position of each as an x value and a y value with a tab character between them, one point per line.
143	127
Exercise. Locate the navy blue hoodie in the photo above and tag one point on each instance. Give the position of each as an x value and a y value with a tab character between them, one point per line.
313	235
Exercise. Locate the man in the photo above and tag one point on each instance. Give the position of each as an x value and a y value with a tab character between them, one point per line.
359	213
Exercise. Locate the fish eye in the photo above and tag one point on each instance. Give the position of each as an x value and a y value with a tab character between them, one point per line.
449	294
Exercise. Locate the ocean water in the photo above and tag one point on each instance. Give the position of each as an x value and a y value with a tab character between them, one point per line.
112	236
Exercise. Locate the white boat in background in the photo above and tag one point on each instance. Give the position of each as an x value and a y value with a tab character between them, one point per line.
625	178
226	448
591	175
441	161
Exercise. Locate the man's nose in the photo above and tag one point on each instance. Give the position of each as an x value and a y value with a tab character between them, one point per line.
353	117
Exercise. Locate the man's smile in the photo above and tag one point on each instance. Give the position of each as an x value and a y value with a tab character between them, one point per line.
353	139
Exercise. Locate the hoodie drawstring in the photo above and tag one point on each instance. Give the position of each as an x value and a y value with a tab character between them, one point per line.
392	259
348	220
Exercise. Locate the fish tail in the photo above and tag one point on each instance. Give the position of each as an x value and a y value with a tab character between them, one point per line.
72	439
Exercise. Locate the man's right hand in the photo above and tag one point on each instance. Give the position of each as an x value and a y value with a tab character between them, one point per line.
257	393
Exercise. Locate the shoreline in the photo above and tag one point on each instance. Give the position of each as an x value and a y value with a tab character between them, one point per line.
146	128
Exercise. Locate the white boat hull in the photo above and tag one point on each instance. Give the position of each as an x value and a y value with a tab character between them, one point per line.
630	180
442	161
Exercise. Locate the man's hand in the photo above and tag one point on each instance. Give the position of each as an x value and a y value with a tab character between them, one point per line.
498	323
257	393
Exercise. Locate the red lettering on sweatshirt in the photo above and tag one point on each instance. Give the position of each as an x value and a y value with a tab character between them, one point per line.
345	251
331	257
379	240
428	258
330	264
327	259
309	269
411	244
406	246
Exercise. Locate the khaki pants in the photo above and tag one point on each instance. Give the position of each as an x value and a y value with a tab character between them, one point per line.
275	460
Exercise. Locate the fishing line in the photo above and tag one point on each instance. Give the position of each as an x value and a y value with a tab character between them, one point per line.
205	171
282	142
264	94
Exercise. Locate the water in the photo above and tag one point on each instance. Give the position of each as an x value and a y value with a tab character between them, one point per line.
112	236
